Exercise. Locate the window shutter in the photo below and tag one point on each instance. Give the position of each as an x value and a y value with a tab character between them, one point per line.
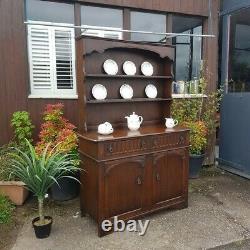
64	59
40	55
52	61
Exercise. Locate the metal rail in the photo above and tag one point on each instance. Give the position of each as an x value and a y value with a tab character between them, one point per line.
169	35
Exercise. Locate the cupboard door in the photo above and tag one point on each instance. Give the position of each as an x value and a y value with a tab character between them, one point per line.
177	168
169	175
123	182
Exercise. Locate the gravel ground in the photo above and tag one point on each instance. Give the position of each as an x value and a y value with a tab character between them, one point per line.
218	217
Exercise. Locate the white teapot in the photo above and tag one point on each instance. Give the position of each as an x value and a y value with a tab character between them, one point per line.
134	121
170	122
105	128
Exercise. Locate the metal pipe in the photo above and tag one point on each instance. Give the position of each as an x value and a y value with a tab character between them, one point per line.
118	30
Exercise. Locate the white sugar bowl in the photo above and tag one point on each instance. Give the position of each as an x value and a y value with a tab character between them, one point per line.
105	128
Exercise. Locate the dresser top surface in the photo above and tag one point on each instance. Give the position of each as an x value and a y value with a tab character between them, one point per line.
125	133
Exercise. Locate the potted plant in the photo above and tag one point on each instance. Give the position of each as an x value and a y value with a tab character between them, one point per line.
14	188
58	130
199	115
198	142
39	173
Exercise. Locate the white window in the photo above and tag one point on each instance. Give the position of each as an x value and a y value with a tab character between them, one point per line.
112	33
52	61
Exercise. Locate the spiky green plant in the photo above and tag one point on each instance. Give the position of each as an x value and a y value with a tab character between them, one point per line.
40	172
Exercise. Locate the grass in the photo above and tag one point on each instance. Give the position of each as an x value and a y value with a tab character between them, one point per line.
6	208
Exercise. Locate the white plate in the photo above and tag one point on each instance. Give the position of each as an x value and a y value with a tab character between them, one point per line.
126	91
99	92
147	69
110	67
129	68
151	91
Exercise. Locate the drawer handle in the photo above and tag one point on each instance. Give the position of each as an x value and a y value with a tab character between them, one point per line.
110	149
157	176
181	140
139	181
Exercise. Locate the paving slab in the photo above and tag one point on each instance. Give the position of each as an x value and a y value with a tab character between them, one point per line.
218	215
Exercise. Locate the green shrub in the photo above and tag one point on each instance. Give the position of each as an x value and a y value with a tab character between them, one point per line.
198	134
199	115
23	128
6	208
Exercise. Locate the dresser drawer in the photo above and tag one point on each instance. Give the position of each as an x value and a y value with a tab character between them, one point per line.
171	140
126	147
142	145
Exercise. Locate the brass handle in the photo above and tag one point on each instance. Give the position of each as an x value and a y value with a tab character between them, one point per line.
157	177
110	148
139	181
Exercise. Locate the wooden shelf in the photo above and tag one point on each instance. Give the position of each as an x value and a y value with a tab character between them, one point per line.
129	100
127	77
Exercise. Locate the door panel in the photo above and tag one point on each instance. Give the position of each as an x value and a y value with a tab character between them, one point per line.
124	181
175	164
168	175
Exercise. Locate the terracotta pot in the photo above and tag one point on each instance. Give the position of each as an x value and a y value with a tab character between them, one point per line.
15	190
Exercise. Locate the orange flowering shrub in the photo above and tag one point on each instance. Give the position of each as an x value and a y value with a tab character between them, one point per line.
56	130
198	136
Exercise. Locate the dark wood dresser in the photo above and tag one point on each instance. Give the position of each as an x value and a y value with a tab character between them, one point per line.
128	174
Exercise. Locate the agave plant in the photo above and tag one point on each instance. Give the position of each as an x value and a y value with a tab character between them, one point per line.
40	172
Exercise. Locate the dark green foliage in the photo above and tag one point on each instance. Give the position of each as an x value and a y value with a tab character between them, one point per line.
40	172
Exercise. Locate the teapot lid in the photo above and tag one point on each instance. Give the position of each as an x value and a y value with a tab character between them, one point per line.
134	115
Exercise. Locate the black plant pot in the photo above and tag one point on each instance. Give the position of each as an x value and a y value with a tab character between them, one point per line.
195	165
42	231
68	189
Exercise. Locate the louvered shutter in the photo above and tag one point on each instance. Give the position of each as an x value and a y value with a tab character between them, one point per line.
52	61
40	59
65	60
